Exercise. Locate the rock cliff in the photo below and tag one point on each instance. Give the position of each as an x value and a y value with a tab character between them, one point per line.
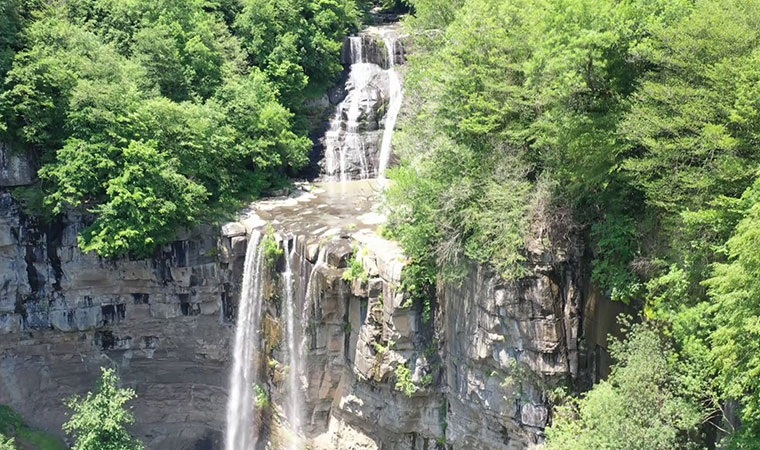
475	371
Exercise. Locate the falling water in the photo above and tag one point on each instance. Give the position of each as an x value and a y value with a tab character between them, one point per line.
297	338
294	405
309	300
396	95
357	47
241	433
345	138
351	149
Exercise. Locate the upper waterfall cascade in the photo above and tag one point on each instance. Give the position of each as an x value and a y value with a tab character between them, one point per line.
358	143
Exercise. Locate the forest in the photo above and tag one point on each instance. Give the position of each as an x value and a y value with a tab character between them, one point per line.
155	115
633	124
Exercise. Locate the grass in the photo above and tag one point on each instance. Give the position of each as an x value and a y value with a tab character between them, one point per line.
12	425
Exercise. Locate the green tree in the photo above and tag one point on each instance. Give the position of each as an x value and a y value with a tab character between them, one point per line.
99	420
735	289
148	116
297	42
642	404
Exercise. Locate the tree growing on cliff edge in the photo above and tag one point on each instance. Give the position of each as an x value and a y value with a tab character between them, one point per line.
99	421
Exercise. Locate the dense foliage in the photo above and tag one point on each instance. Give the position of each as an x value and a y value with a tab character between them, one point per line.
99	420
632	123
640	402
153	115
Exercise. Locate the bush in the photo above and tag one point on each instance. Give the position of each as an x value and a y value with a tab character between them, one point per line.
99	421
643	402
13	426
270	247
356	270
261	398
404	381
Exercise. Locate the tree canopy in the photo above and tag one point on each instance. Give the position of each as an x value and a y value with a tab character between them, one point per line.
630	123
151	116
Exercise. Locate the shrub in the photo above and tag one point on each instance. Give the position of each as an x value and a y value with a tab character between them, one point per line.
99	421
261	398
404	381
270	247
644	400
356	270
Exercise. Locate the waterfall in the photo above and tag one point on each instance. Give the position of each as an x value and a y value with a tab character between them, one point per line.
309	299
352	142
241	433
396	95
351	151
357	47
294	401
345	140
297	338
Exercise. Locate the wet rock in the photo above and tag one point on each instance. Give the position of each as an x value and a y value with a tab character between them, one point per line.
338	252
17	167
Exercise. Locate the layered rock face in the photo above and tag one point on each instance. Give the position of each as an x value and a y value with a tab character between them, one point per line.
480	363
64	314
473	371
506	346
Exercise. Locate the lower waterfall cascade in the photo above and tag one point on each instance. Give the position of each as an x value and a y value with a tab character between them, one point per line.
240	433
294	402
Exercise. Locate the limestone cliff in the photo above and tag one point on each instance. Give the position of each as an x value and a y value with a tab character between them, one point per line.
481	366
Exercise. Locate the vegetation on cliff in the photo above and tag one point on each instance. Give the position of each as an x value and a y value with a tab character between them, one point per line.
643	401
155	115
633	123
21	435
99	420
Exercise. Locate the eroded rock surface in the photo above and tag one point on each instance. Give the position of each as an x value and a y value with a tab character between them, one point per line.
480	364
160	321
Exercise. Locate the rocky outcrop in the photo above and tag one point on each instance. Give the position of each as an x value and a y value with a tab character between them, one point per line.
507	345
160	321
475	372
17	168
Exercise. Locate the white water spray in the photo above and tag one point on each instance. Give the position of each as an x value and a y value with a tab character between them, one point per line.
396	95
241	433
294	401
